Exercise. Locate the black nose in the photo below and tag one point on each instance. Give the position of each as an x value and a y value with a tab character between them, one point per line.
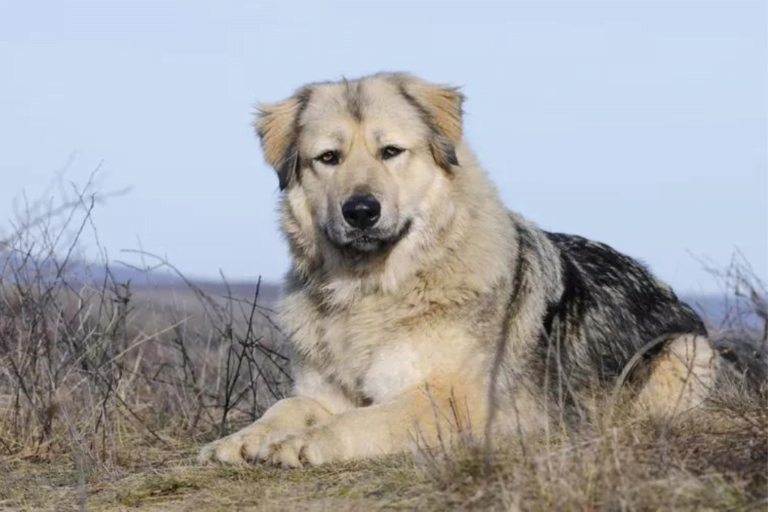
361	211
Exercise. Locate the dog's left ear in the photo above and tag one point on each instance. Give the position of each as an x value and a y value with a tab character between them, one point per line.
440	107
277	125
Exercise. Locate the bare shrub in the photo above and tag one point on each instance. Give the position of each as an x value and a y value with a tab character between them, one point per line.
88	368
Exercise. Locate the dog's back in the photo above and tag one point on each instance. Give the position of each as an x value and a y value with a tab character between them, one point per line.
611	309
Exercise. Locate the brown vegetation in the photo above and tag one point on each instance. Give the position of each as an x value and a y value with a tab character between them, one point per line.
107	392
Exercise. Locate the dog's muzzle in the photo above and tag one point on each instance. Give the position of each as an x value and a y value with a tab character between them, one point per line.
356	242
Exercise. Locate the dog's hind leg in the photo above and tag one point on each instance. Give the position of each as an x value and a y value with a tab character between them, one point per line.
681	377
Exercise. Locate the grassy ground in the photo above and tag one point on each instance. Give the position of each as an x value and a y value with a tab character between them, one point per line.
717	460
177	483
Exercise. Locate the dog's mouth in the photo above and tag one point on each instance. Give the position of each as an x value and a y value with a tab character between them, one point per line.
368	241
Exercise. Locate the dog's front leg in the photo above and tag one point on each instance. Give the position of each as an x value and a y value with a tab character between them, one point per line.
287	415
429	413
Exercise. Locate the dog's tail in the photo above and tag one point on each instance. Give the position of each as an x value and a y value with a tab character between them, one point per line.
745	362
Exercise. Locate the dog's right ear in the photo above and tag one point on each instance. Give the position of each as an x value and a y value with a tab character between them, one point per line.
277	125
440	106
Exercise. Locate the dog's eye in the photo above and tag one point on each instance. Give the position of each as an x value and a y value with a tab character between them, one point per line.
329	158
390	152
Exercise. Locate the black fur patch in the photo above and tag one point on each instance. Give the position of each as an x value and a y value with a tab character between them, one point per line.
610	307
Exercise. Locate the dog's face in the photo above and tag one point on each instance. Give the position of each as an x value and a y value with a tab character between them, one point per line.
357	159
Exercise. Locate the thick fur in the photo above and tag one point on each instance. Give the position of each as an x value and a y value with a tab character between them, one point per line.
452	312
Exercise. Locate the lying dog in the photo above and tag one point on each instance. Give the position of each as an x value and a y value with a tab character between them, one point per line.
417	302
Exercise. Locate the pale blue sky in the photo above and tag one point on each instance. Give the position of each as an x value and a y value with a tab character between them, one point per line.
640	123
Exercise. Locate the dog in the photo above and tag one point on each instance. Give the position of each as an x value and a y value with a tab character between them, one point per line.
418	306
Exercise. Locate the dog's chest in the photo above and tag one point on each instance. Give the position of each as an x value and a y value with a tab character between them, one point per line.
366	348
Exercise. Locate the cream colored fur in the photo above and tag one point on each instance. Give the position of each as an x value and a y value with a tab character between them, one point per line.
399	345
681	377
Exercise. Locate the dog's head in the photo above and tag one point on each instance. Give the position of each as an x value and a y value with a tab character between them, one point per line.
359	161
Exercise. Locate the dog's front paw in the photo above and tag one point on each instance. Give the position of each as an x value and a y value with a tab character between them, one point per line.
237	448
308	447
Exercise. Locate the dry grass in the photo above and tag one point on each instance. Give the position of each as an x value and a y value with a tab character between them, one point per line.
107	393
716	463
